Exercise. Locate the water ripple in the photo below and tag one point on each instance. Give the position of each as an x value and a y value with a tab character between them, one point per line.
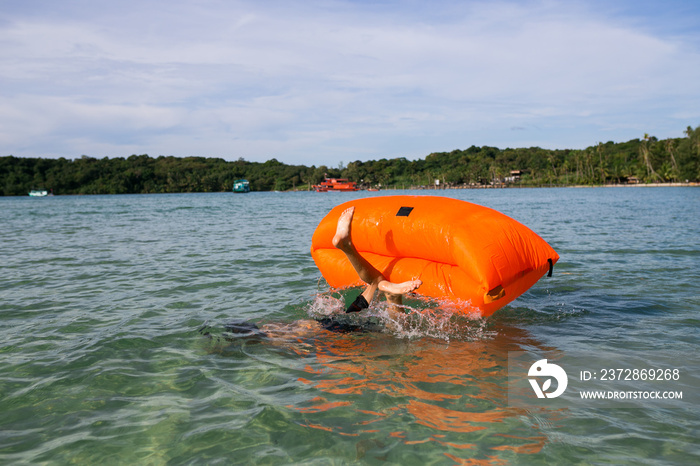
114	346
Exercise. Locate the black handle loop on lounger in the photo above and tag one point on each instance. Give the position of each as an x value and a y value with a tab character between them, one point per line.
551	267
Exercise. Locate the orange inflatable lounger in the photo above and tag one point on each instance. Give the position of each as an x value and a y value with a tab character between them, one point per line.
461	251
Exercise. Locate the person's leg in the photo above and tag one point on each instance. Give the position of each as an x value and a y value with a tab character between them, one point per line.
394	294
343	241
367	273
398	288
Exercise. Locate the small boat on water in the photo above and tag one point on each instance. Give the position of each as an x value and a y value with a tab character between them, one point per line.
241	186
335	185
39	193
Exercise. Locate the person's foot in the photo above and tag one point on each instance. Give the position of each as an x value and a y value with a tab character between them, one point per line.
342	233
399	288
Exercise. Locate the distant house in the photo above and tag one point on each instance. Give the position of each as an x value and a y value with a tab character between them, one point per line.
514	176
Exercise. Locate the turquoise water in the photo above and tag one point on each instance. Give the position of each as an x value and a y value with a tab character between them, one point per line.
114	347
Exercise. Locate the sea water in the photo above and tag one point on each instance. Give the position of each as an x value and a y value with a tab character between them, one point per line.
115	349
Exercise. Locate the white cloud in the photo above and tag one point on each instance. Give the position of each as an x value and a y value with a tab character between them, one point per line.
328	81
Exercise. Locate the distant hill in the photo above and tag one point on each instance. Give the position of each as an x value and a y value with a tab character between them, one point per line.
646	160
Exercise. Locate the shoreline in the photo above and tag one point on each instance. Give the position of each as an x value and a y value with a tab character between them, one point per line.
691	184
638	185
514	186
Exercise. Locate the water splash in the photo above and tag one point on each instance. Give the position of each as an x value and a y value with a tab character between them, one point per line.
421	318
326	305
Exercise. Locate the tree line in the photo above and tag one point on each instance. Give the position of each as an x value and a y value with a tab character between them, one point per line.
645	160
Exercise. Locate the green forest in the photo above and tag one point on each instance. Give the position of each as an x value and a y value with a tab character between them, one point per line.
646	160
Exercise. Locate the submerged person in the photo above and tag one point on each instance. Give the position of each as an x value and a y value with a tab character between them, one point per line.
367	272
374	279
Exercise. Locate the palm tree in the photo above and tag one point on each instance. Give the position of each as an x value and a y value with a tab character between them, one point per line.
603	171
694	136
644	151
674	166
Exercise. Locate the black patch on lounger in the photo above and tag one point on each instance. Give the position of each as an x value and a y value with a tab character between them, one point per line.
404	212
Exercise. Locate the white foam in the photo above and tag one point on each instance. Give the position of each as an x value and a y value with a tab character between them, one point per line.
421	318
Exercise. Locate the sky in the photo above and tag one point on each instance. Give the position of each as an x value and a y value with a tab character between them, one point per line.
328	82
